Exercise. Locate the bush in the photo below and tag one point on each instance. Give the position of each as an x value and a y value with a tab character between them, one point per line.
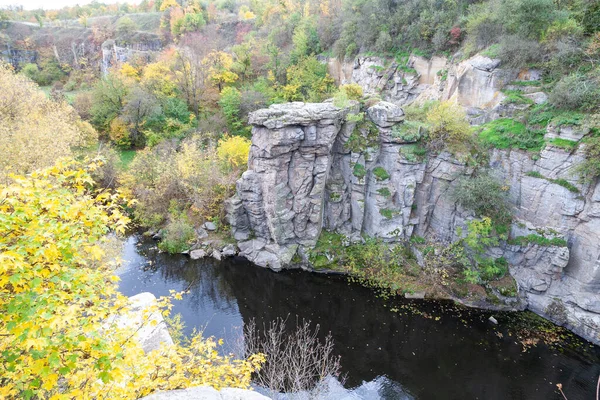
31	71
297	361
517	52
381	174
191	176
352	90
448	128
34	130
484	195
539	240
576	92
178	236
528	18
233	151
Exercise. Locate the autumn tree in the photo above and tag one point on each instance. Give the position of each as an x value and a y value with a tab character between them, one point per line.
58	299
35	131
219	66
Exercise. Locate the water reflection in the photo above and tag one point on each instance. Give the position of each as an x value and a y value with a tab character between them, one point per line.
443	353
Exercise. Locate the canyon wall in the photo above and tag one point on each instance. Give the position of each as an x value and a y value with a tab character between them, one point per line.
306	174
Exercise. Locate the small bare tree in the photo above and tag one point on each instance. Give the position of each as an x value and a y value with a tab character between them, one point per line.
296	360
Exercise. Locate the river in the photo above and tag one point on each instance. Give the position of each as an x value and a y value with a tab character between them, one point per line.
390	349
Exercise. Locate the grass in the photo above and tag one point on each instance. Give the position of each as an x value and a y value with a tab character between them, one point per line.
492	51
387	213
563	144
385	192
125	158
525	83
560	181
544	114
359	171
539	240
506	133
413	152
516	97
381	174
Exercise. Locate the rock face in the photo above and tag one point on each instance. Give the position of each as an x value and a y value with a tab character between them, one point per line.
305	174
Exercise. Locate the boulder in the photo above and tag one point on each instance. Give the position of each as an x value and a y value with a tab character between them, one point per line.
210	226
229	251
151	329
385	114
216	254
197	254
201	233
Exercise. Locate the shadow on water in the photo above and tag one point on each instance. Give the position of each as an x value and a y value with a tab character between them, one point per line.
437	352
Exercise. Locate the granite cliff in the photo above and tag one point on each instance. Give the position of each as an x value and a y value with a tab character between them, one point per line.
304	176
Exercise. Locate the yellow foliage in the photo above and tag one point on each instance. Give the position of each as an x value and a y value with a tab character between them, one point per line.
448	127
58	294
156	77
219	66
245	13
353	90
168	4
234	150
35	131
129	71
119	133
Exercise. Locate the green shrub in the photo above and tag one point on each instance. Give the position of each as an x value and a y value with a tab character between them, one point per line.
385	192
539	240
517	52
409	131
389	214
576	92
380	174
516	97
359	171
178	236
485	195
448	128
413	152
544	114
491	269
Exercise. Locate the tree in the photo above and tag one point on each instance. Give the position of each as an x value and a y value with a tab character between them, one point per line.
139	108
58	299
308	81
219	64
108	97
35	131
126	28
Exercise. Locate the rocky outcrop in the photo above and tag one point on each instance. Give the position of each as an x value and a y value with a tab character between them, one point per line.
305	174
150	328
206	393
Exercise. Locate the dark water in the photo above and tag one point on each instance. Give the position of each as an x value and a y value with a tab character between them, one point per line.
439	352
